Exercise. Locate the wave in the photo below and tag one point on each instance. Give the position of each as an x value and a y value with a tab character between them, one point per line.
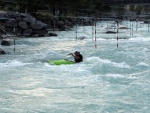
108	62
13	63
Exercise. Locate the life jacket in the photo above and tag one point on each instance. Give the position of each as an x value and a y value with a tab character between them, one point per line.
80	59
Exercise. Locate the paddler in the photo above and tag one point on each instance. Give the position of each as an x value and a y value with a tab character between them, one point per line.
77	56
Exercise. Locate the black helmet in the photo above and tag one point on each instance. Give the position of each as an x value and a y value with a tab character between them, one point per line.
77	52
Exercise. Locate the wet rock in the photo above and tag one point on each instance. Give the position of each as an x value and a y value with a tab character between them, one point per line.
52	34
82	37
5	43
2	52
110	32
123	27
40	33
27	32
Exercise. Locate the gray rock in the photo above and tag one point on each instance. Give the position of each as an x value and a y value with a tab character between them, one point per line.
11	23
38	25
60	23
27	32
30	20
2	52
40	32
2	30
18	31
52	34
68	23
5	42
23	25
110	32
24	15
19	19
12	14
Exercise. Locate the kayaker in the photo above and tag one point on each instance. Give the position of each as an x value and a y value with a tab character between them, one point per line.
77	56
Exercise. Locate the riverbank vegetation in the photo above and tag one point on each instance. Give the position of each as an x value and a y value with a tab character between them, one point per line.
75	8
57	7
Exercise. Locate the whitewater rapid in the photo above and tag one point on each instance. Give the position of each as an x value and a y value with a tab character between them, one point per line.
111	79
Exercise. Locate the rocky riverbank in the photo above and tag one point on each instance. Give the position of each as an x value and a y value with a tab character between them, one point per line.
22	24
25	25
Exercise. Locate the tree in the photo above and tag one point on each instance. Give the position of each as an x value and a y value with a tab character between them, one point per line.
131	7
65	7
138	9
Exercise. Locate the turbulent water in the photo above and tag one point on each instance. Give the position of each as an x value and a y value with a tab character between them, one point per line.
110	80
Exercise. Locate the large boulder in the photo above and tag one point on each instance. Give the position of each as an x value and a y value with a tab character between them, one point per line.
12	14
123	27
51	34
38	25
23	25
9	30
29	19
2	52
5	42
18	31
68	23
64	28
18	19
110	32
27	32
24	15
39	32
60	23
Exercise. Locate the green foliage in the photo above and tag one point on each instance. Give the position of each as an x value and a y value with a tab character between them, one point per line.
64	6
138	9
131	7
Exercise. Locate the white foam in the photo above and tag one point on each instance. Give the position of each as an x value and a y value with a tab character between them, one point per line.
106	61
13	63
143	64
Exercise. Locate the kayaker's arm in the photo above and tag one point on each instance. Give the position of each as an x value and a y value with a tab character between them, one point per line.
71	54
77	56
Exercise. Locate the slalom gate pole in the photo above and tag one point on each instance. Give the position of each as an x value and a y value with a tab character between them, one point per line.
117	42
136	25
54	26
132	24
76	32
92	31
132	28
148	26
14	30
14	45
95	35
117	32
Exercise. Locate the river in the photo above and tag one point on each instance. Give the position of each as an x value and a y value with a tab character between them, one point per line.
113	78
